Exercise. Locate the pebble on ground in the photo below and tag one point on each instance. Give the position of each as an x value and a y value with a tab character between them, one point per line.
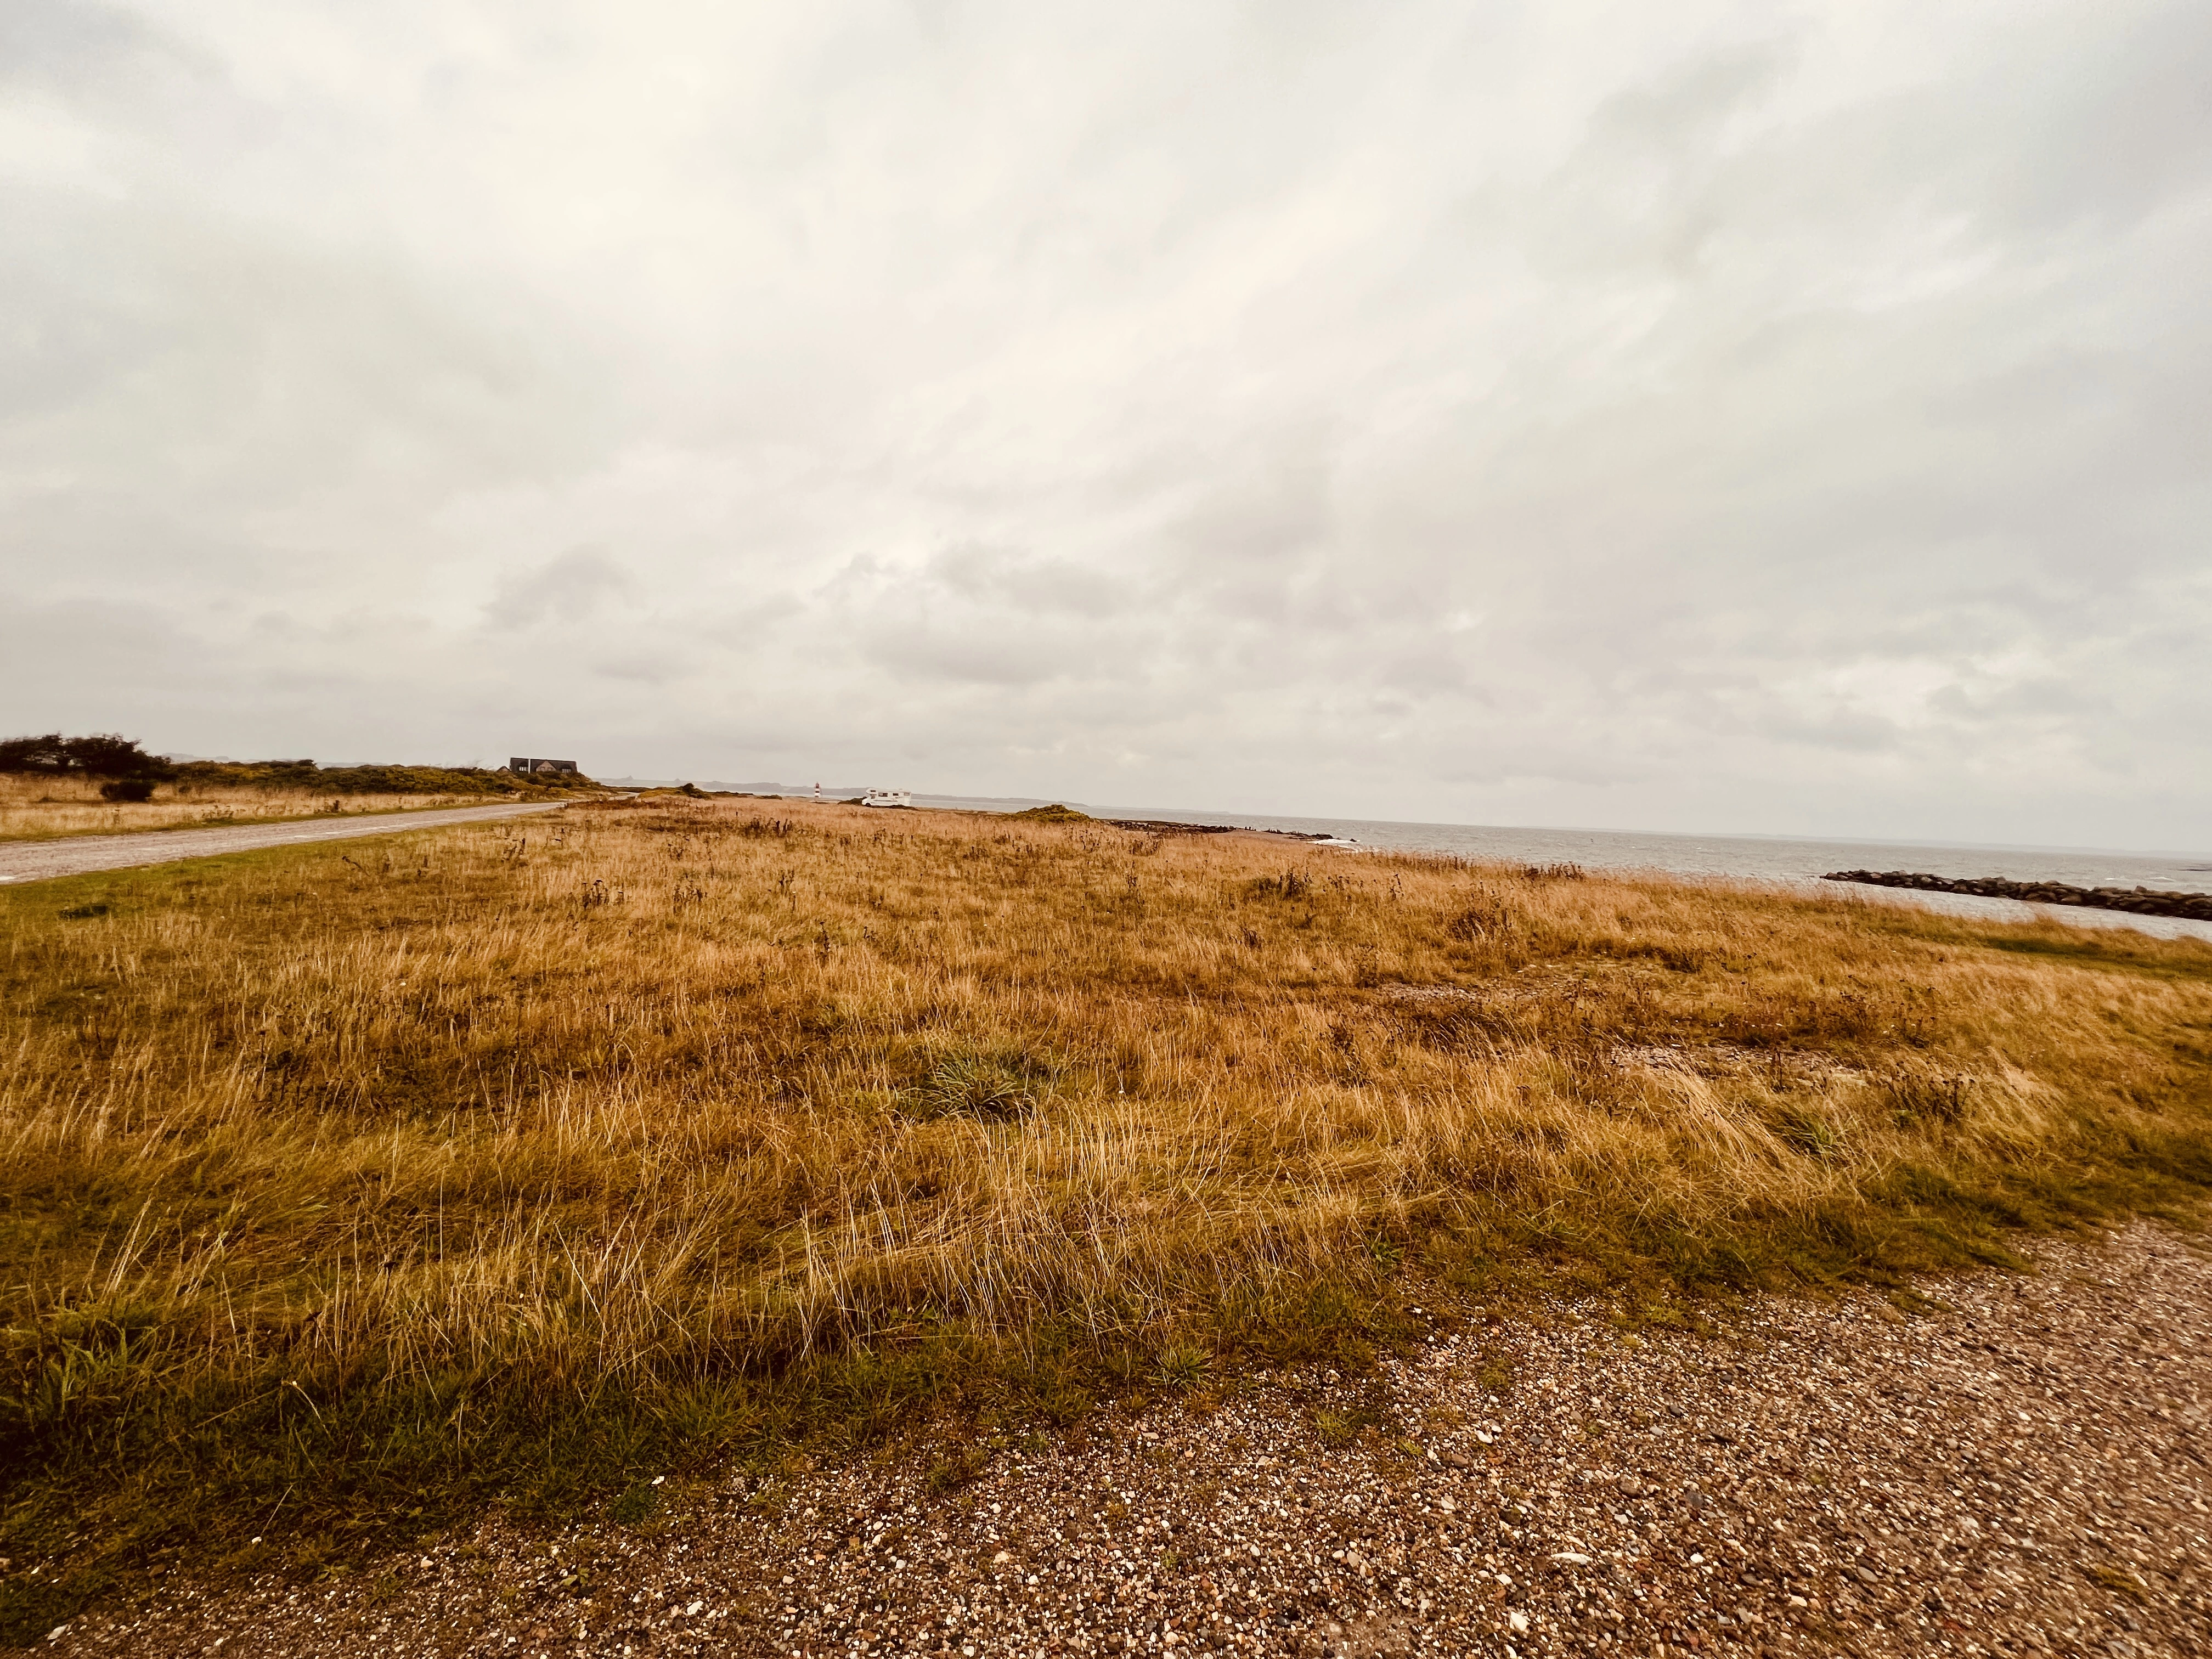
2023	1472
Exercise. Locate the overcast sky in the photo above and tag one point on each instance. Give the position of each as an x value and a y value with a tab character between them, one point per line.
1782	418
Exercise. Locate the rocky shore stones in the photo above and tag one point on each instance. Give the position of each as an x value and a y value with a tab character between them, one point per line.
2141	900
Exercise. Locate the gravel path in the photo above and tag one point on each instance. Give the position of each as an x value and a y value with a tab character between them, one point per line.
2023	1472
74	855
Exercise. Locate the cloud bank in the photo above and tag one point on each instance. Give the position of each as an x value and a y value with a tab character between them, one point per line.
1782	418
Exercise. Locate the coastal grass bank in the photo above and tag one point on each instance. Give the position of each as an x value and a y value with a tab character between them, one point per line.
340	1189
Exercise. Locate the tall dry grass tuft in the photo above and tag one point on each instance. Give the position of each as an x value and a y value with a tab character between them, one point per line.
488	1125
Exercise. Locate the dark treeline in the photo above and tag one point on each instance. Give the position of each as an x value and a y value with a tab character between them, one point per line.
126	772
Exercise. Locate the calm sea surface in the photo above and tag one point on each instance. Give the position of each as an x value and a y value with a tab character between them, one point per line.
1797	864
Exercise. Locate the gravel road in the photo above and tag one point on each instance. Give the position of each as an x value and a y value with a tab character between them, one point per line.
74	855
2022	1472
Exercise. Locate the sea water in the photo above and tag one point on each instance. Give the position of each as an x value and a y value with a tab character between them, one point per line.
1776	860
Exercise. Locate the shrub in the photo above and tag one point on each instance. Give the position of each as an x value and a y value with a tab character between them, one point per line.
990	1087
1485	916
1183	1365
127	789
1920	1094
104	755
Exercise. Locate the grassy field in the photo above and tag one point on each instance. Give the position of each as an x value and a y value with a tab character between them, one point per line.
34	808
337	1193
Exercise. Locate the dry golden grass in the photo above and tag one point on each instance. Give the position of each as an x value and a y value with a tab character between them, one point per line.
39	808
681	1104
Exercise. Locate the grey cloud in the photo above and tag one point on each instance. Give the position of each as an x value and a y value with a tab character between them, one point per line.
1688	102
1425	669
976	658
1853	730
567	588
1646	183
1696	415
644	668
100	53
2110	130
1034	585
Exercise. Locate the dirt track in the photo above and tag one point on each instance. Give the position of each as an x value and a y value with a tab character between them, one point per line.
75	855
2022	1470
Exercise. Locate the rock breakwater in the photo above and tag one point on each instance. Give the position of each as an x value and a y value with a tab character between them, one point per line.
2142	900
1177	827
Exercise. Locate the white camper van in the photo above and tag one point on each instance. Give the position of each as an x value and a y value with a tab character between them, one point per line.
888	798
